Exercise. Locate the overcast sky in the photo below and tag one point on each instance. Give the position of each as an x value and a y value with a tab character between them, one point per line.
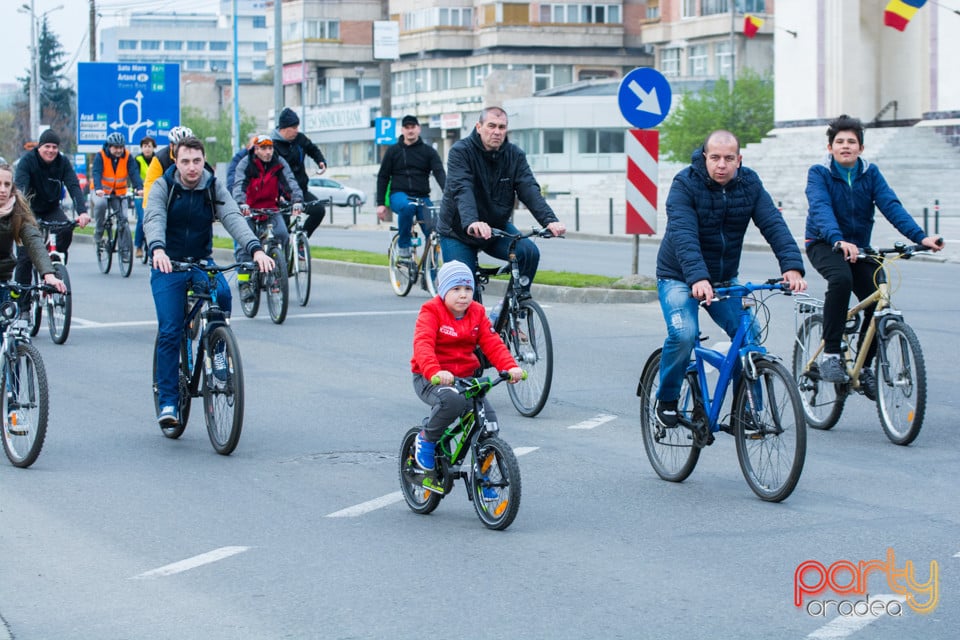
70	25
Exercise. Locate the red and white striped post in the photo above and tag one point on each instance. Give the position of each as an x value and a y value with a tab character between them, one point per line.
643	170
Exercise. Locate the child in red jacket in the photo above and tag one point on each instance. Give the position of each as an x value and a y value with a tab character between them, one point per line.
449	328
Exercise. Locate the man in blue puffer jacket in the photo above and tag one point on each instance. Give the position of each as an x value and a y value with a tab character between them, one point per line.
842	193
709	206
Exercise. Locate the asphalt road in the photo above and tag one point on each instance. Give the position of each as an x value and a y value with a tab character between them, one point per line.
118	532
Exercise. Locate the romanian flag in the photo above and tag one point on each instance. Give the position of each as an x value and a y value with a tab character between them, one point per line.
899	12
751	24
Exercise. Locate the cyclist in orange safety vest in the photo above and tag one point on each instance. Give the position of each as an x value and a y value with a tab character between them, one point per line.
113	169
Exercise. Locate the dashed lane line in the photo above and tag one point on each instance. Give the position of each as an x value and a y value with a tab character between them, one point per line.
391	498
191	563
845	626
593	423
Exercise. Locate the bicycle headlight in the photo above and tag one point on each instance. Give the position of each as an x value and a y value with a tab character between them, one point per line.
9	310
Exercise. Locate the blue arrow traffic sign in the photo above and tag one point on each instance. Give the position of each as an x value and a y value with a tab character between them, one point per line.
386	130
644	97
136	99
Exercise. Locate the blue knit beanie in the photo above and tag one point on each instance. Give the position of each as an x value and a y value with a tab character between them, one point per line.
453	274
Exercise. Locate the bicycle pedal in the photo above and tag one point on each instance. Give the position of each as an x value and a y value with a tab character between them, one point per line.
430	482
726	428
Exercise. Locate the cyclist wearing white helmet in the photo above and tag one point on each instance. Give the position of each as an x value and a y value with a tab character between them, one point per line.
114	171
164	158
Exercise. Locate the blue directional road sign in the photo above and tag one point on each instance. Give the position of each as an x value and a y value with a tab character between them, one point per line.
136	99
644	97
386	130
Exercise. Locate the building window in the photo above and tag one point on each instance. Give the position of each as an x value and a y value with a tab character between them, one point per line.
259	22
653	11
752	6
149	45
689	9
323	29
477	74
697	60
580	13
600	140
196	65
196	45
172	45
216	45
259	65
721	53
218	65
670	62
548	76
127	45
455	17
259	46
713	7
553	141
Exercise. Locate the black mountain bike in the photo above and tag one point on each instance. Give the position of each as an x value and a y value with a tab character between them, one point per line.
522	325
116	235
273	282
59	306
423	264
493	475
213	368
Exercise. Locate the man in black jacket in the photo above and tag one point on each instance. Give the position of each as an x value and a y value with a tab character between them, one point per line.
486	174
294	147
406	169
42	174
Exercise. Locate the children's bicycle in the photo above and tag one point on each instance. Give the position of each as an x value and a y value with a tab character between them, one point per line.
213	370
901	375
766	417
422	265
522	324
492	476
59	306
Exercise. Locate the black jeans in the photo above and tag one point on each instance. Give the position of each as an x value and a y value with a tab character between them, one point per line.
314	210
64	238
843	278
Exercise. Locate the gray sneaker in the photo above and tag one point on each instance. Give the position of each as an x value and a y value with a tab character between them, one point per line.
403	253
832	370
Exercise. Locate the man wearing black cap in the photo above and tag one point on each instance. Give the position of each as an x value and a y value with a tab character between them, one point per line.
293	147
406	168
42	174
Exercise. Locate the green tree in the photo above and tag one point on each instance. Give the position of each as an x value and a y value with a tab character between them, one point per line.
217	132
9	150
56	93
748	113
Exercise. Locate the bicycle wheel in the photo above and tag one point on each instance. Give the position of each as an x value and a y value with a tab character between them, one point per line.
770	430
495	484
124	249
432	262
527	335
252	306
402	272
301	262
419	499
277	287
35	315
822	401
901	383
184	395
670	450
223	391
25	405
105	246
146	253
60	307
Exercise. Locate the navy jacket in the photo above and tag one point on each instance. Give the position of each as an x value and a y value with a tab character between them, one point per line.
839	211
483	186
294	153
706	223
43	183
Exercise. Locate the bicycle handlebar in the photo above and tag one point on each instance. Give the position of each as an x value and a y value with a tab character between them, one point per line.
464	383
179	265
541	232
56	225
26	288
900	248
270	212
725	290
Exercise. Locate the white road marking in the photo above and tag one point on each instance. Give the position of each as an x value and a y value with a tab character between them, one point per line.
391	498
192	563
844	626
592	423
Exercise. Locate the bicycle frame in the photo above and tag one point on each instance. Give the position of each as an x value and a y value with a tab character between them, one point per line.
211	316
473	421
509	303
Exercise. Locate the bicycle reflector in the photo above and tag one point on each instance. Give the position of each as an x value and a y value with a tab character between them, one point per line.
9	310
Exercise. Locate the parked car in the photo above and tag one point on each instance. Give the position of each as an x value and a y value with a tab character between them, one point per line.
325	189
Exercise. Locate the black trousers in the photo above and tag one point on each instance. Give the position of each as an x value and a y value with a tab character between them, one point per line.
843	278
315	211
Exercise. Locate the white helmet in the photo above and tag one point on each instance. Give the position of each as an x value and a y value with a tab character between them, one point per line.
177	134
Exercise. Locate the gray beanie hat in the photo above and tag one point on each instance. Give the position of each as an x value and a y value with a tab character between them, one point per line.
453	274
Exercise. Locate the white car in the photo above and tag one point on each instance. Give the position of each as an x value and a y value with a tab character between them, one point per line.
325	189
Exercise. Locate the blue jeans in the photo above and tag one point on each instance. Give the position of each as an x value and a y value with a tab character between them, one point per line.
680	312
170	298
138	239
528	255
400	204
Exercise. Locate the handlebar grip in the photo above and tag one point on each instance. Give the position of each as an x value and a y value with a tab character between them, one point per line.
435	380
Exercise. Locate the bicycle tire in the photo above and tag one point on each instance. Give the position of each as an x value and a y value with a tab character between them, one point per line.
822	401
495	468
183	397
901	383
276	285
432	261
671	451
401	278
35	315
771	453
527	335
124	249
419	499
105	246
25	406
145	256
193	329
252	306
60	307
303	273
223	399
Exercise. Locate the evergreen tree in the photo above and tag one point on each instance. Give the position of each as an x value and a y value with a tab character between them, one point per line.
55	92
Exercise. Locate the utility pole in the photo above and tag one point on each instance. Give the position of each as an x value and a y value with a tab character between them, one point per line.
93	30
277	58
34	76
386	88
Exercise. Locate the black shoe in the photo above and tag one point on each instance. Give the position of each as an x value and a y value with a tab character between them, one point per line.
667	413
868	382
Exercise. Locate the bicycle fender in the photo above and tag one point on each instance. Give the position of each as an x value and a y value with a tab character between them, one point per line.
643	373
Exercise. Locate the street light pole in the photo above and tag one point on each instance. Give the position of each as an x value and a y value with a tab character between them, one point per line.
35	65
